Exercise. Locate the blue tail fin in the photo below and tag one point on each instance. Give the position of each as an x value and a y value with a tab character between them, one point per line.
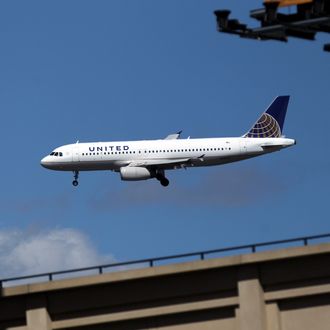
271	122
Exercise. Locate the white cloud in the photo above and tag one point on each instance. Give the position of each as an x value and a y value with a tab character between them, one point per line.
25	253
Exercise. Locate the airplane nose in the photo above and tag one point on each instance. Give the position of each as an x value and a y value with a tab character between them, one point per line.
43	162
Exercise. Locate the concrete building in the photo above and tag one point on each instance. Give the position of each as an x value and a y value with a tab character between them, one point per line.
286	289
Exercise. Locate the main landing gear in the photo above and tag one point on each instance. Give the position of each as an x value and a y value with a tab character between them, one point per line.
75	177
161	178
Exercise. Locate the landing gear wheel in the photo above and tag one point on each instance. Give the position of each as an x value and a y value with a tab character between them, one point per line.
164	182
160	176
75	178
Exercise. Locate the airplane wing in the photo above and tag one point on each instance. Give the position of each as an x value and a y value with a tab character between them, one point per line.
160	162
165	163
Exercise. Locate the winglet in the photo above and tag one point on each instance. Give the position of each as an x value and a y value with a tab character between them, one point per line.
174	136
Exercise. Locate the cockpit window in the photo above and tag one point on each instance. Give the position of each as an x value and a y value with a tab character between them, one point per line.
56	154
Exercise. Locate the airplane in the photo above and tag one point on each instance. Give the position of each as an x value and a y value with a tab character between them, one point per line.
142	160
311	17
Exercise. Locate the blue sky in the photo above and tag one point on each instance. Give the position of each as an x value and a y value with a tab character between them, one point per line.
126	70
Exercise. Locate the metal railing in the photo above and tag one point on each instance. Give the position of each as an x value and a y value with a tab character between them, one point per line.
151	262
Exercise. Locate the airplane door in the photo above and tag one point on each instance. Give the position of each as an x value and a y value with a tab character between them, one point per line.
75	153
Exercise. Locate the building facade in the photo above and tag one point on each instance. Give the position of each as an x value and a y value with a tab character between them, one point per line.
287	289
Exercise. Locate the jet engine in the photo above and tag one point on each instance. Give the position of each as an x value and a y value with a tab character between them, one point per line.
134	173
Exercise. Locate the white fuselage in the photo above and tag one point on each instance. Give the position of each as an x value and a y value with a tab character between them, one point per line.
167	154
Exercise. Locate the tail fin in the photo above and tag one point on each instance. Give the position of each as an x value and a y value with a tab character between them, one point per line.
271	122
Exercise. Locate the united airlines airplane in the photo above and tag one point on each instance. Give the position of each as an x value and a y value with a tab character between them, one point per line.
142	160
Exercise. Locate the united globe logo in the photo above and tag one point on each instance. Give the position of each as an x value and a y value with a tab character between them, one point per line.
266	126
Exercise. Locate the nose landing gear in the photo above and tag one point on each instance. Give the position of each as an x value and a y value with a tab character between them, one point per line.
75	177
